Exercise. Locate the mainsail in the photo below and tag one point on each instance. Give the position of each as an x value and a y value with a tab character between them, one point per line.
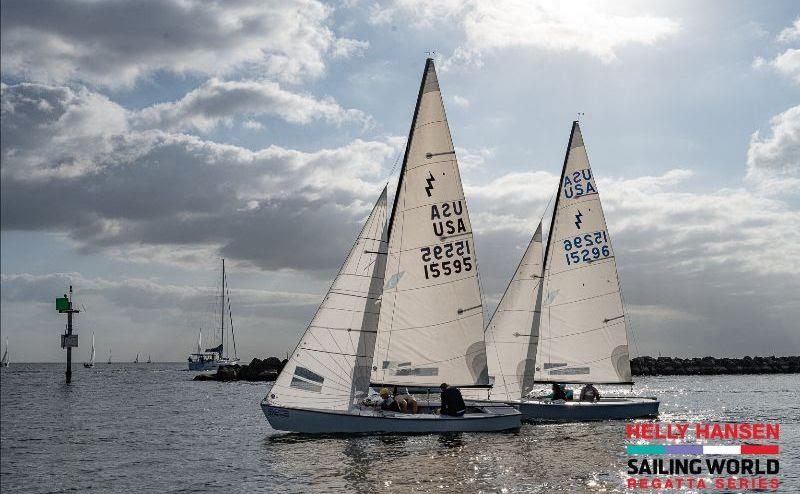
583	333
4	361
431	319
513	332
330	367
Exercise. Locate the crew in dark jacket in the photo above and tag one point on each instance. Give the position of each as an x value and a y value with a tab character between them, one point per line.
452	402
558	393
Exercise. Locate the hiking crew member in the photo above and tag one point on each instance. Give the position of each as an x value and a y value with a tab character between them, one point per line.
590	393
452	402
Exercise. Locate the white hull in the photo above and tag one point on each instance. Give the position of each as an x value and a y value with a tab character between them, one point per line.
611	408
493	418
210	365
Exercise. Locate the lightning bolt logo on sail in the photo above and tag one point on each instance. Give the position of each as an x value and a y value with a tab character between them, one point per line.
430	181
578	219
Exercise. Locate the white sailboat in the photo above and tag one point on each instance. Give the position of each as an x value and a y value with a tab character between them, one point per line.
405	308
109	356
567	325
136	360
212	358
90	363
4	362
149	361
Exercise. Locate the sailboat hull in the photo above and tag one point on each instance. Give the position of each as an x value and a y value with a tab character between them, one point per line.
88	365
490	418
612	408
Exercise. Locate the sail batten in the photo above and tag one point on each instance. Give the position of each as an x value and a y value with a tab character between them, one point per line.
583	332
330	367
430	328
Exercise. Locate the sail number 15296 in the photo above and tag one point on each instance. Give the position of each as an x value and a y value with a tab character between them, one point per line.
586	248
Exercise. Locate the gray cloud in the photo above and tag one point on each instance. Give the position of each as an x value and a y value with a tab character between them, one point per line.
116	43
273	207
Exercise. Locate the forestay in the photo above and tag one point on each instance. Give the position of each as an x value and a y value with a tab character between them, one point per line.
513	331
330	367
431	321
583	334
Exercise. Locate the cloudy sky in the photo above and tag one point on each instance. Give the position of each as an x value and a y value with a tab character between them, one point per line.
143	141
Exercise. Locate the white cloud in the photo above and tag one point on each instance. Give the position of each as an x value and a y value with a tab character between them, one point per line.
787	63
459	101
589	28
688	231
472	159
773	163
217	102
791	33
116	43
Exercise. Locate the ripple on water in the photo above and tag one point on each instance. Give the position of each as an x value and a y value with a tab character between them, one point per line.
123	427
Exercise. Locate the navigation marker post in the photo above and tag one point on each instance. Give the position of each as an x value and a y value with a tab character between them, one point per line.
68	340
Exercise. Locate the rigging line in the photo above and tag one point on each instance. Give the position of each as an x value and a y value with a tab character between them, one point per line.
575	333
437	284
230	316
433	325
333	375
549	307
338	364
459	356
332	283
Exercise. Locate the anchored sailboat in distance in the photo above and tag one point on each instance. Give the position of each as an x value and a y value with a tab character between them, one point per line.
109	356
4	362
415	320
212	358
90	363
573	319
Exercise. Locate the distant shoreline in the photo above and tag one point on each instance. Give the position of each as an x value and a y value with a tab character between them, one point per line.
709	366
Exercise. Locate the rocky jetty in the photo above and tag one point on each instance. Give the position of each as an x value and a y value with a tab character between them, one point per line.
671	366
257	370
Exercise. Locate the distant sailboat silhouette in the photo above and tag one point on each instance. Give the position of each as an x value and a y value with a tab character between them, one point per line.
5	362
90	363
148	359
109	356
137	359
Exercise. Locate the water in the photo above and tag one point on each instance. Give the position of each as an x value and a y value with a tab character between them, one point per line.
149	427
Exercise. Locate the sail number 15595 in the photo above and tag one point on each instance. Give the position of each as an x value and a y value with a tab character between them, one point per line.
449	258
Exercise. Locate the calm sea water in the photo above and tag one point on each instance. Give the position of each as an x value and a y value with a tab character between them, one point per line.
126	427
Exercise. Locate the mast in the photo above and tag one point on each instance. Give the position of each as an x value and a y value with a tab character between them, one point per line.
583	331
428	64
558	194
431	324
222	311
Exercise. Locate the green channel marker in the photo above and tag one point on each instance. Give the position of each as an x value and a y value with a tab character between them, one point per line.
646	449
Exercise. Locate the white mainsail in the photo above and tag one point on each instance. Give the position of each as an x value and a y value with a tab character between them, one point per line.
583	332
330	367
431	320
92	352
512	335
200	341
4	361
